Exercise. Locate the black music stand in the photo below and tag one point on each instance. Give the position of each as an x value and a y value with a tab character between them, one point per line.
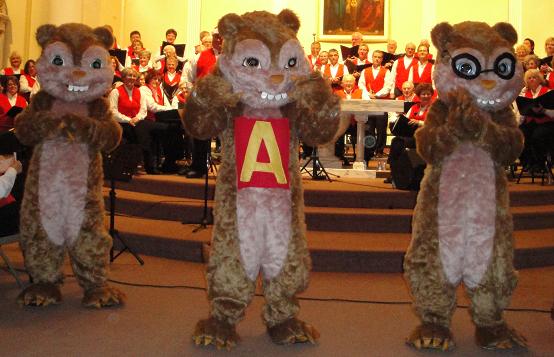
120	165
210	166
318	171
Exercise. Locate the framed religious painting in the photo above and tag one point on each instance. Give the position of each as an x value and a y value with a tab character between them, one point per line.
339	18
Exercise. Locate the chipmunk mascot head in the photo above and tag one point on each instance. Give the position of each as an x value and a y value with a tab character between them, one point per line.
69	124
462	226
260	98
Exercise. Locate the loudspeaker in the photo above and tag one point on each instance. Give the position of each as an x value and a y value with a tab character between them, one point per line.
407	170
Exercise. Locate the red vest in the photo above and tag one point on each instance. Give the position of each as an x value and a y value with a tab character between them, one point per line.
30	80
126	106
375	84
158	97
6	123
8	71
206	62
415	112
7	200
175	80
327	71
425	75
402	72
311	61
538	120
356	93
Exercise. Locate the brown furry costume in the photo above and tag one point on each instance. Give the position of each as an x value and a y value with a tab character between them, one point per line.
462	226
262	73
68	123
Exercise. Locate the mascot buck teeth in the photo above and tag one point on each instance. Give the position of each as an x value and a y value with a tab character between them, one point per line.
259	98
462	226
68	123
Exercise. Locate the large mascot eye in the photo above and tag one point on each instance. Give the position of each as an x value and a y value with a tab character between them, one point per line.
505	66
97	63
466	66
291	63
57	61
251	62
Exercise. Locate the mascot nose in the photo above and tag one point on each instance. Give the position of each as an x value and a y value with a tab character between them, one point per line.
488	84
276	78
79	74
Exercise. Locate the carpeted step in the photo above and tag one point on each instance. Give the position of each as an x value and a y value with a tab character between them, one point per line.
330	251
343	192
377	220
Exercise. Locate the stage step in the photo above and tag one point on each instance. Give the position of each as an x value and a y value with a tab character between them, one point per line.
354	219
352	193
330	251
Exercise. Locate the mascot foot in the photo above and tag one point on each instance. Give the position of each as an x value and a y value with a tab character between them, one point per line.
42	294
500	337
431	336
214	332
103	296
293	331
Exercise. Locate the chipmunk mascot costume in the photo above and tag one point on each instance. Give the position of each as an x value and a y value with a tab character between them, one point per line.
260	98
462	226
69	124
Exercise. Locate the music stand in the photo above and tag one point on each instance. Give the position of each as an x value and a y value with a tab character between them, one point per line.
210	166
120	165
318	171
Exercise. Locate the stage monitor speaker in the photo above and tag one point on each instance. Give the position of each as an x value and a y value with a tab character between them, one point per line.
407	170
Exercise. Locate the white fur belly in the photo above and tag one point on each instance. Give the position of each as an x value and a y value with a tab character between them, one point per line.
264	229
62	189
466	214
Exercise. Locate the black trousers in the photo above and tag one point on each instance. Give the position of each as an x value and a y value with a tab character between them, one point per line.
377	127
199	155
539	139
9	216
147	134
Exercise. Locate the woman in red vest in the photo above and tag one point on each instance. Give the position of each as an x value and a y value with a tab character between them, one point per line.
538	128
15	64
416	115
28	83
9	98
129	109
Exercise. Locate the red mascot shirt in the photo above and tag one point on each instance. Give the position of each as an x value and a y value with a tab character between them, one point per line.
262	152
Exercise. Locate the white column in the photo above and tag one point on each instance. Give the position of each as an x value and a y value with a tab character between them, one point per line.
428	18
61	12
515	11
194	12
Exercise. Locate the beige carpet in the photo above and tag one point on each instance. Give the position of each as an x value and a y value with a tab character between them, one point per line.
357	315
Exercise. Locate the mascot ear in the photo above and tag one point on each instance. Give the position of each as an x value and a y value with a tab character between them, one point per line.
229	25
507	32
44	34
104	36
440	35
289	19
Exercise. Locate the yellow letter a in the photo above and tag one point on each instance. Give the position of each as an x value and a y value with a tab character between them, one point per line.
262	131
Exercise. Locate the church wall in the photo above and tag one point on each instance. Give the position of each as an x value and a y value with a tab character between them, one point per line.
410	20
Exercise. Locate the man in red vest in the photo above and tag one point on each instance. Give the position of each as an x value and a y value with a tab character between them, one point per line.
401	68
200	66
376	82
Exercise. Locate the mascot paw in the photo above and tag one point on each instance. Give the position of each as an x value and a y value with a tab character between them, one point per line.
500	337
214	332
103	296
293	331
42	294
431	336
